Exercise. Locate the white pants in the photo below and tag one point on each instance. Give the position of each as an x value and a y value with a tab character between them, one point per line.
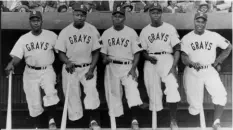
154	74
32	81
91	100
194	82
116	77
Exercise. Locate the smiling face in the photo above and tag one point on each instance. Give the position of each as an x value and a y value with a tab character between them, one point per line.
200	24
118	19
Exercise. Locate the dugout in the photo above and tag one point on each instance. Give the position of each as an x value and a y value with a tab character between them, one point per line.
14	24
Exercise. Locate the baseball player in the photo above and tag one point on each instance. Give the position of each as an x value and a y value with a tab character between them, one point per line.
160	40
121	51
78	46
199	55
37	48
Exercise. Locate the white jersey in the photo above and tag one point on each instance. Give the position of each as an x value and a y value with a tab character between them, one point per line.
37	50
159	39
202	48
120	45
78	43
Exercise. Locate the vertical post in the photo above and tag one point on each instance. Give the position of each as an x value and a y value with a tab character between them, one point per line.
1	40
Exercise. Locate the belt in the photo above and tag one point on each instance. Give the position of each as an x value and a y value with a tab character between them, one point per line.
37	68
81	66
121	62
201	67
159	53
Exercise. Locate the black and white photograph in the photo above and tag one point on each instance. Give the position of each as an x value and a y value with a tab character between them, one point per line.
116	65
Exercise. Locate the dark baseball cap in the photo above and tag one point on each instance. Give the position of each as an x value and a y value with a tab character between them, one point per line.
118	10
79	7
36	14
200	15
155	6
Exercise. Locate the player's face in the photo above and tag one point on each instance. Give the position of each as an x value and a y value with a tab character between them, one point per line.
200	24
155	15
118	19
35	23
79	17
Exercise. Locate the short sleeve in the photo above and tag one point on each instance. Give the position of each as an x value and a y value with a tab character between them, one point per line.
18	50
136	43
184	46
143	40
61	44
97	43
174	37
54	37
222	42
104	47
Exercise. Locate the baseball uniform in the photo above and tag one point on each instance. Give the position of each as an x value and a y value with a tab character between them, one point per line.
159	43
120	46
202	49
78	45
39	57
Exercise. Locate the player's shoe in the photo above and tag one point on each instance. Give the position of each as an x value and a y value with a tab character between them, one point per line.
52	125
173	125
216	126
135	125
94	125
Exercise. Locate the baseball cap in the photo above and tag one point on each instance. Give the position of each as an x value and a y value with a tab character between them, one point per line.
35	14
119	10
156	6
201	15
79	7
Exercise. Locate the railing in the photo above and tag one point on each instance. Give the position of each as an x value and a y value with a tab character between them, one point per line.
19	101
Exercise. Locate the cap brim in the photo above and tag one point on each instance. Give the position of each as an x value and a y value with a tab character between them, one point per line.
80	10
115	12
201	17
34	16
155	9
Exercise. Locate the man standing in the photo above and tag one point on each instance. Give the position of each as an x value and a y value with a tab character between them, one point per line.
160	40
199	55
79	47
121	52
37	47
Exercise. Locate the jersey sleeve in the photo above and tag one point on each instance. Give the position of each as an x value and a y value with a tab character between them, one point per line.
174	37
18	50
104	47
136	43
54	37
54	40
184	45
222	42
61	43
96	39
143	40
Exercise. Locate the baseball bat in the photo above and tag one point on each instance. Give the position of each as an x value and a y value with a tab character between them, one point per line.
154	113
65	109
202	119
112	118
9	112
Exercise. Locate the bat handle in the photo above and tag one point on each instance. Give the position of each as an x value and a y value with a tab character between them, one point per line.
112	117
202	119
154	112
65	109
9	107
